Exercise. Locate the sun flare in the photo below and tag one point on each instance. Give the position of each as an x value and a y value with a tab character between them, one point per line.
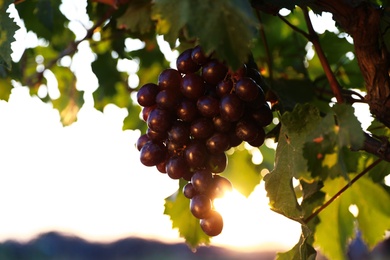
249	223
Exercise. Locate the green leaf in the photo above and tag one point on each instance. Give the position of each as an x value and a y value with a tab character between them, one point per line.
372	202
70	100
243	174
230	36
327	146
337	223
289	161
137	17
178	209
105	68
45	18
7	31
350	131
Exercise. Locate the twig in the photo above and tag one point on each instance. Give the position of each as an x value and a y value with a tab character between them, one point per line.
313	37
305	34
357	177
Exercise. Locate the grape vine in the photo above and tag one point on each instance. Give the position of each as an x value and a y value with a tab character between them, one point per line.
194	114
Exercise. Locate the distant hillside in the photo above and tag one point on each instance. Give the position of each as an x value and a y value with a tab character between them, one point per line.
55	246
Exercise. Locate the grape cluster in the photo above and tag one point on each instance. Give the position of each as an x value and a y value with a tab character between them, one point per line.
194	114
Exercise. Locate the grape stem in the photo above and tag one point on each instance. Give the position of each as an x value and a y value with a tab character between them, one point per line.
334	197
313	38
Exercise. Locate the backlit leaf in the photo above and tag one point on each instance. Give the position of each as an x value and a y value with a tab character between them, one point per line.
7	30
243	174
289	161
177	207
337	223
230	36
137	17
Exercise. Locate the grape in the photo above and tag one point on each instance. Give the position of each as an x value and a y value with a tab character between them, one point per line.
196	154
234	140
167	99
176	167
161	167
259	140
186	110
231	107
152	153
179	133
214	71
246	89
146	95
240	73
198	56
189	191
202	180
193	118
208	106
169	79
220	185
192	86
218	143
202	128
217	163
213	224
246	130
141	141
159	120
185	64
156	136
262	116
173	148
224	87
221	125
200	206
145	112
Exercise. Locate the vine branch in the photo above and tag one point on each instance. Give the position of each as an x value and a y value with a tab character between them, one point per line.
357	177
313	37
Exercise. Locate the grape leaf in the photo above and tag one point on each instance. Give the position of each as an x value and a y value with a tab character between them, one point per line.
337	227
289	161
70	100
137	17
226	27
178	209
325	148
45	18
7	30
350	131
242	173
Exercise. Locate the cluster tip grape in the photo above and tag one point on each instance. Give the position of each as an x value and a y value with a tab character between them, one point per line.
194	114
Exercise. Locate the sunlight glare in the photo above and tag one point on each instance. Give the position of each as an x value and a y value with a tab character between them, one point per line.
249	223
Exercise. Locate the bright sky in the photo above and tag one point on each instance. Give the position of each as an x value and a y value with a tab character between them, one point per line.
86	178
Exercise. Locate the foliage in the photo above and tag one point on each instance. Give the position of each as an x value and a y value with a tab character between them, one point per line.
320	142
